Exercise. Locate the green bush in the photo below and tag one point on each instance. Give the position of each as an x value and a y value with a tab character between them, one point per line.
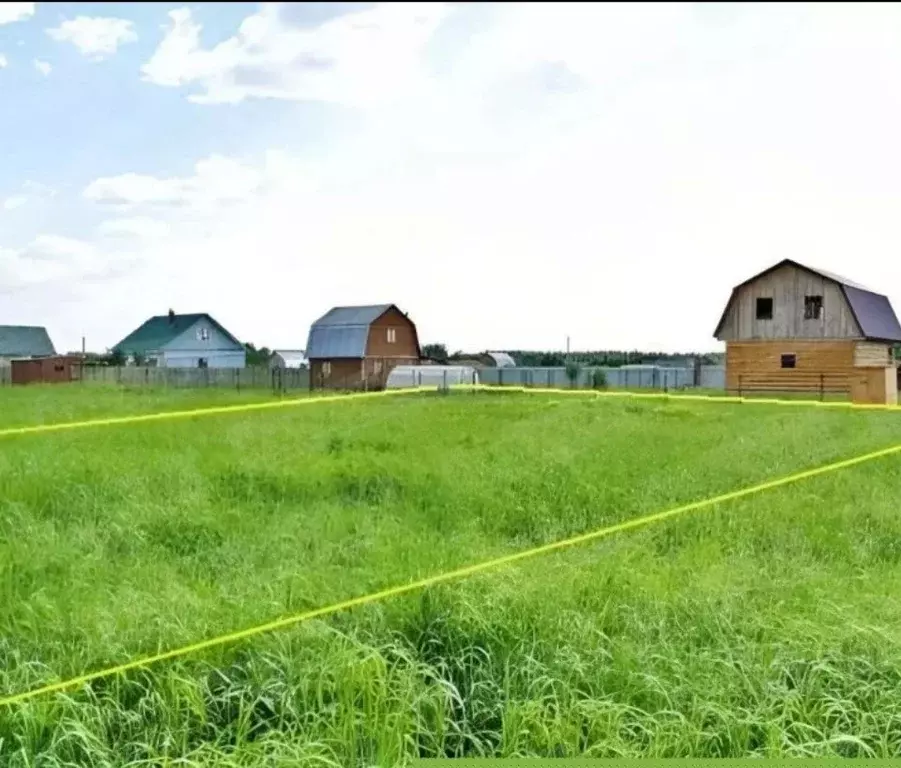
598	379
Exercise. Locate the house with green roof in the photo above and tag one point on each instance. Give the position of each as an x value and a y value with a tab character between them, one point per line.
20	341
183	341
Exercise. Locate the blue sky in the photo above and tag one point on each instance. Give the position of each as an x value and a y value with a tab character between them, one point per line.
510	174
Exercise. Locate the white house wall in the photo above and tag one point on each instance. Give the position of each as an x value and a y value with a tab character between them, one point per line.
217	349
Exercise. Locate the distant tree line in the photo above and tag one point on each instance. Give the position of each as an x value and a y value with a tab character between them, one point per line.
608	358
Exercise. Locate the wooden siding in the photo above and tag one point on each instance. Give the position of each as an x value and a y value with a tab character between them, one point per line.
875	385
870	353
757	366
787	287
382	356
405	344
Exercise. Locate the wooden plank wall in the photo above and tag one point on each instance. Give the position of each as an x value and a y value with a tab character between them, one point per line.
757	366
871	354
787	287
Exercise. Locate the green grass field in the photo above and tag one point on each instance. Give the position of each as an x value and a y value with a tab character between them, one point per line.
769	626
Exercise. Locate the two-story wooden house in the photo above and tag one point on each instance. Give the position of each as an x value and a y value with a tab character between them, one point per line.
356	347
796	328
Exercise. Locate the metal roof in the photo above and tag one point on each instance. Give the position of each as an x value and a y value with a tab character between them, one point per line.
160	330
25	341
353	315
872	311
342	332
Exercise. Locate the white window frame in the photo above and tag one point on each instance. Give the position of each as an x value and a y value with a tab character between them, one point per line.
392	335
326	369
203	334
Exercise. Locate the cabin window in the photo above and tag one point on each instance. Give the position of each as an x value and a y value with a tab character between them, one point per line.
326	369
202	362
392	335
813	307
764	309
788	361
203	334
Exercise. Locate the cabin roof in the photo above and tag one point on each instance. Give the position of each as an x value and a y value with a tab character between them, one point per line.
871	310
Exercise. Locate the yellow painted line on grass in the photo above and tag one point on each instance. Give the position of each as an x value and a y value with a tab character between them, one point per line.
671	396
290	403
446	576
207	411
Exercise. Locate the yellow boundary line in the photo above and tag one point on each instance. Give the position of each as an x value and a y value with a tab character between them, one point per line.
294	402
446	576
670	396
208	411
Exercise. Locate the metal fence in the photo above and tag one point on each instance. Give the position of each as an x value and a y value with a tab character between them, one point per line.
711	377
285	379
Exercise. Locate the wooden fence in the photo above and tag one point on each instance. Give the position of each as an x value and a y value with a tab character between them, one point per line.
282	379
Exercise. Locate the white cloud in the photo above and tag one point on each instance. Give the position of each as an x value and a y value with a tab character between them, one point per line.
96	37
15	201
31	191
11	12
599	171
365	57
3	61
138	226
43	67
217	180
49	258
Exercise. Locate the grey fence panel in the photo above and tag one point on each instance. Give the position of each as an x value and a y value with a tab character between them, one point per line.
712	377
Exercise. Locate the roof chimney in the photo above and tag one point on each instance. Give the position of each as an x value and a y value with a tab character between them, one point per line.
171	316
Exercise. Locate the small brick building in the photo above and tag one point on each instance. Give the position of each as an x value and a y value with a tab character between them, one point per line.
356	347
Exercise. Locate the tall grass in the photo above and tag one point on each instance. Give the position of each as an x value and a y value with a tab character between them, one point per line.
766	627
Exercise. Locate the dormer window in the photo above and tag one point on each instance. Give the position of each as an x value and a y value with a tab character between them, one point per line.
764	309
203	334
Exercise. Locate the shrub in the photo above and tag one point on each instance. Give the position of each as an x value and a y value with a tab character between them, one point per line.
598	379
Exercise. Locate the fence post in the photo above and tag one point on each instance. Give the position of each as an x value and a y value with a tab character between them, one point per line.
822	387
739	386
548	378
445	380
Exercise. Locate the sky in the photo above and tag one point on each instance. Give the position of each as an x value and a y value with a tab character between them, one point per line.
508	174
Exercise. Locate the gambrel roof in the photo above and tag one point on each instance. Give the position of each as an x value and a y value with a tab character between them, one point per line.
872	311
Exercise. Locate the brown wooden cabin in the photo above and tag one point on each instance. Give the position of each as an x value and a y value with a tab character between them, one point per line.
355	348
793	328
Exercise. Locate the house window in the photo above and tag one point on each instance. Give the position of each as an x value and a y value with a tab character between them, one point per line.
764	309
788	361
203	334
392	335
813	307
326	369
202	362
